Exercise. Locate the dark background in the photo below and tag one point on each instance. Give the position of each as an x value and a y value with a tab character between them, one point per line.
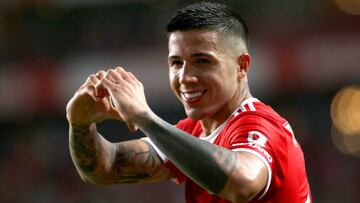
303	54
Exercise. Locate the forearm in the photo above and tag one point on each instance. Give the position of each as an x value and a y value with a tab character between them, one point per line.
90	152
207	164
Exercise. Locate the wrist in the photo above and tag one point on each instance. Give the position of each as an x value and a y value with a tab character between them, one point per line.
142	119
84	126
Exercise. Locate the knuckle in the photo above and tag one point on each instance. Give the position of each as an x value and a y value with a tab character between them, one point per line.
119	68
92	77
110	71
100	73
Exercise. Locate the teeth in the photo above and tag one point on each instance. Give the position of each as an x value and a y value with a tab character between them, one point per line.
192	95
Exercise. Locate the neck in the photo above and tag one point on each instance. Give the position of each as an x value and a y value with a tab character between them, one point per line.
210	124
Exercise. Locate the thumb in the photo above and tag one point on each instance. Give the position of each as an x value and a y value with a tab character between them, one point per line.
100	90
105	84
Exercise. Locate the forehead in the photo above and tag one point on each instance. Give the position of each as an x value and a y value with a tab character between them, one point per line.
183	42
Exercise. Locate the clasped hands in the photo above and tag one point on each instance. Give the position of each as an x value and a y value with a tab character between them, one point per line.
114	94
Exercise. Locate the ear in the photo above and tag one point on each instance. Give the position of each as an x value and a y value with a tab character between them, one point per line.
243	65
244	62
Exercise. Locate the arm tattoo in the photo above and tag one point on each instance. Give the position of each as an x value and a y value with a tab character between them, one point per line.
207	164
83	147
135	161
128	162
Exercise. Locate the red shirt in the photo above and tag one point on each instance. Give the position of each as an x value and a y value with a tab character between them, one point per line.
255	128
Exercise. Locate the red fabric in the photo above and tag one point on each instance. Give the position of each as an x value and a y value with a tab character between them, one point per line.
280	150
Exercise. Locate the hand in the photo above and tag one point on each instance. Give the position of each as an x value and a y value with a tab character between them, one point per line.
90	104
127	93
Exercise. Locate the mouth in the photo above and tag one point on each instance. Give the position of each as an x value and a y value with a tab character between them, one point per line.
193	96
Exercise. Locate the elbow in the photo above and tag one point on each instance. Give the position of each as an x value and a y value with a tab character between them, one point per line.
93	180
241	191
245	184
86	179
98	176
241	196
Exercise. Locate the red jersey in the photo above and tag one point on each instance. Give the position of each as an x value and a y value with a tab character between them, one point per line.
257	129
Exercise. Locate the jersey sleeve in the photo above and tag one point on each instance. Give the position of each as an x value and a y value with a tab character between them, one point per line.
253	134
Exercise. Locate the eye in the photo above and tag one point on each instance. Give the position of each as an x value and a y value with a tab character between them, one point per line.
202	61
175	63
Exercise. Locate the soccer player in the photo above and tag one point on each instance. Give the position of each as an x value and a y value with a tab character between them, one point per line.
230	148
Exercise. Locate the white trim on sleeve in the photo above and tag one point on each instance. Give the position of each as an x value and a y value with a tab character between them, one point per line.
158	151
264	161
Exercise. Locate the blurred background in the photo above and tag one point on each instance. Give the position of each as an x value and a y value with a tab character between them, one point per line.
305	63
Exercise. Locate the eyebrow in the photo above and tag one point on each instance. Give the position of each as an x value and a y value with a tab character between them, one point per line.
192	55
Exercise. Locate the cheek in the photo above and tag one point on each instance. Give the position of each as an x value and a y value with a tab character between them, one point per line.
225	86
173	79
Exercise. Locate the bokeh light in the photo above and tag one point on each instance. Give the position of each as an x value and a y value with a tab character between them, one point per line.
351	7
345	115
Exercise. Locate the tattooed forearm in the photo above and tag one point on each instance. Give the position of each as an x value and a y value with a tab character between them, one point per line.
102	162
135	161
85	147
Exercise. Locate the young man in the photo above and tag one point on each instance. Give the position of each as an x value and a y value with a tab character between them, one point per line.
231	148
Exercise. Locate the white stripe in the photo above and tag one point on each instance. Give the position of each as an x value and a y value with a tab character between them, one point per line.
308	199
249	102
251	106
252	100
264	161
242	108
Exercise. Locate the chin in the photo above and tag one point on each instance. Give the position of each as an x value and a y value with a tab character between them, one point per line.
195	114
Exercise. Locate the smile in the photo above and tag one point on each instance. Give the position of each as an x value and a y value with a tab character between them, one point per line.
192	96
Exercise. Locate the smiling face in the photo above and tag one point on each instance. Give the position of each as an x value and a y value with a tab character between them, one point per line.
204	73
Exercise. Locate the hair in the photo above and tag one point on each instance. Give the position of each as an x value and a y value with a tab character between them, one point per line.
209	16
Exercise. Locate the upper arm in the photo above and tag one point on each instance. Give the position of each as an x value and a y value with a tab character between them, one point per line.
135	161
247	179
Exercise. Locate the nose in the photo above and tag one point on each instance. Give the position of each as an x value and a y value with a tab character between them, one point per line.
187	74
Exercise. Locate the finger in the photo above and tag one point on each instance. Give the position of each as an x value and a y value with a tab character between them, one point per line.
100	90
124	74
91	80
107	84
94	79
114	76
132	76
100	74
90	90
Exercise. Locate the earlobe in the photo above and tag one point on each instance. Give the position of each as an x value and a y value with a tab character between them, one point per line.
241	74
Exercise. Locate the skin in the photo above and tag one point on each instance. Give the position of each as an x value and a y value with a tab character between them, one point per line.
97	160
203	64
208	73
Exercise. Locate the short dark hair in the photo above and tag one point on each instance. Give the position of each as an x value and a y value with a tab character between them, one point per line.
208	16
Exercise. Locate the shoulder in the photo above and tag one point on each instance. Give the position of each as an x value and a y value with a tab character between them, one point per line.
255	113
255	119
187	124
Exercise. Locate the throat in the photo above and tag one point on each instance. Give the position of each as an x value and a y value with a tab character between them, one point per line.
209	127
